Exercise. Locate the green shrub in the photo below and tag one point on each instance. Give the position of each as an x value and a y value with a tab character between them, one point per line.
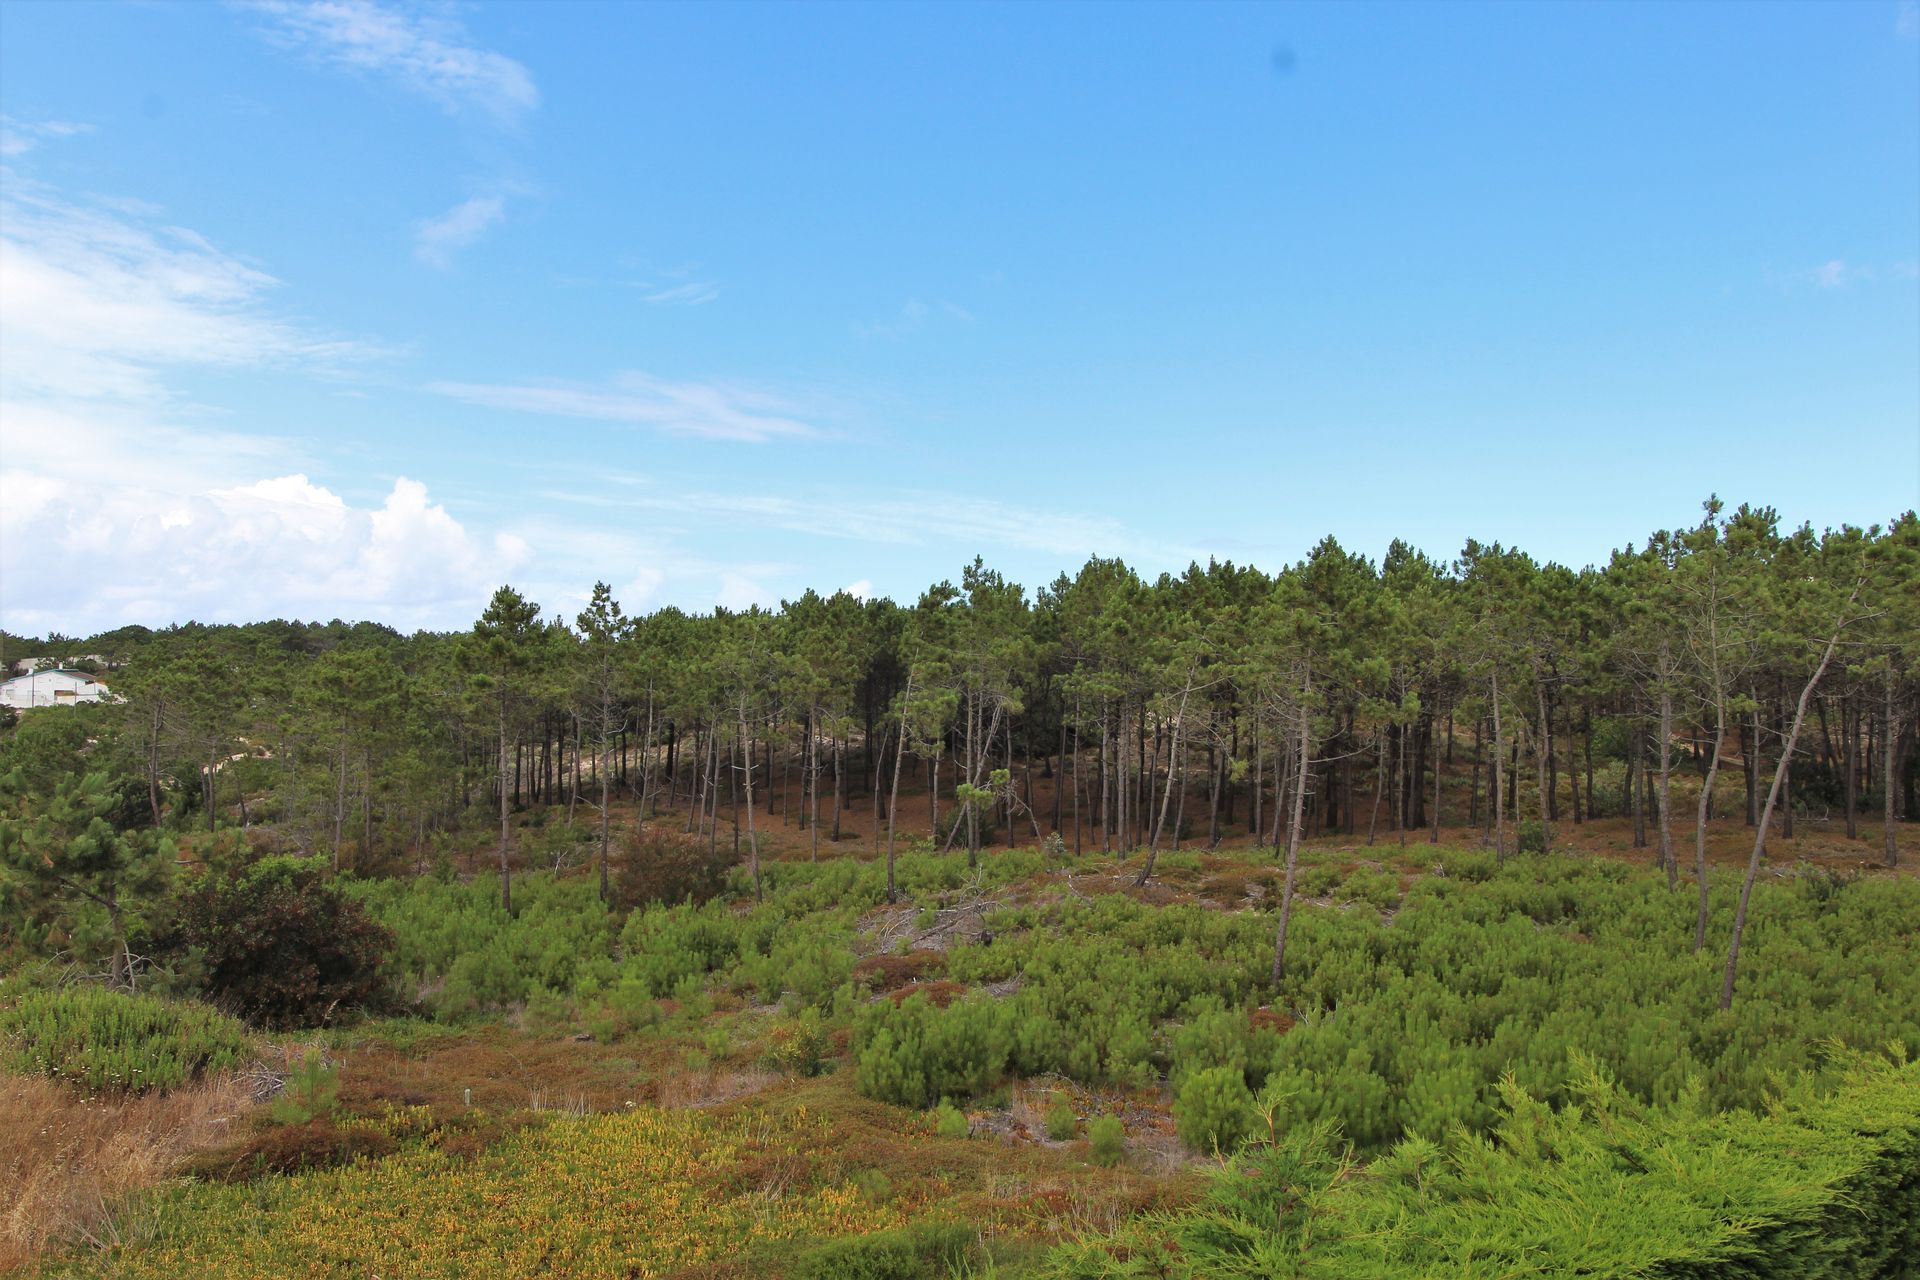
1318	882
1532	836
1061	1121
916	1053
1825	1186
1214	1110
950	1121
797	1045
1373	886
110	1041
922	1251
310	1093
1107	1141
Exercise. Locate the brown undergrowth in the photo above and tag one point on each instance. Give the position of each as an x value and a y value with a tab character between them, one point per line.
72	1161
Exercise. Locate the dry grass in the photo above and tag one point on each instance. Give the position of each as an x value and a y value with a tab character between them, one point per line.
71	1161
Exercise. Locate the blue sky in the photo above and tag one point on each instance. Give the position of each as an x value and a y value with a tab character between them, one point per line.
357	309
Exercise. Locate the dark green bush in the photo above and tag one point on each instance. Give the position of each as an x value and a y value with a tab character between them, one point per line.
282	947
110	1041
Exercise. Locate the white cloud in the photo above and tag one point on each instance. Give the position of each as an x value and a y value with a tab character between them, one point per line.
17	137
436	240
117	504
1832	275
93	300
714	411
1906	20
859	590
88	556
425	54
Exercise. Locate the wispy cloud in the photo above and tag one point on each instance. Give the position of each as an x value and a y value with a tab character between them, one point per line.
437	240
691	294
1906	20
920	518
423	53
95	299
17	137
714	411
912	317
103	465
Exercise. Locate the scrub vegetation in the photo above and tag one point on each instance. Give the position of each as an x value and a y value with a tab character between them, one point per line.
1480	918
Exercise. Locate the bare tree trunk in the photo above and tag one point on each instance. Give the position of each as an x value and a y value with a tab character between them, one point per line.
813	784
1293	835
1850	744
1076	782
1542	756
1433	837
893	802
1700	821
1663	793
1173	756
1379	786
1213	800
1760	836
839	784
1499	780
1888	752
153	769
339	801
1401	790
506	884
606	835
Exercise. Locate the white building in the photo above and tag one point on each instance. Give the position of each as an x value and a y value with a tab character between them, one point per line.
55	688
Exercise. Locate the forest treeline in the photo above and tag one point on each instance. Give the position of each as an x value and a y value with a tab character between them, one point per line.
1327	697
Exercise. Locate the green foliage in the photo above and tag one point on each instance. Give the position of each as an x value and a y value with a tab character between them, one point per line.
1822	1186
797	1045
1107	1141
1214	1110
310	1093
1062	1122
916	1053
922	1251
114	1042
1406	1026
1374	886
282	947
950	1121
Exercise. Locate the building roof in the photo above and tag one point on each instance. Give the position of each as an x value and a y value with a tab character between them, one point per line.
88	676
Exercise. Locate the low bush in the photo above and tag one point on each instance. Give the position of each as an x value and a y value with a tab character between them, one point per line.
109	1041
1214	1110
922	1251
950	1121
1107	1141
282	947
1061	1121
1823	1186
310	1093
665	866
